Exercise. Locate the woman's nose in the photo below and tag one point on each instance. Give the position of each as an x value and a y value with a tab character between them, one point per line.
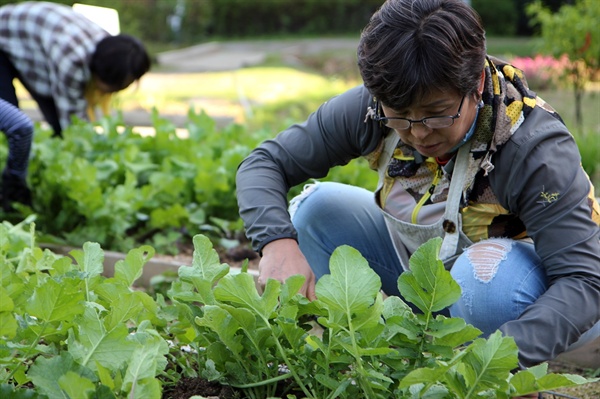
419	130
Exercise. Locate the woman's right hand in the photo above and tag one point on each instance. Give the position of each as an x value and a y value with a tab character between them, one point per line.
282	259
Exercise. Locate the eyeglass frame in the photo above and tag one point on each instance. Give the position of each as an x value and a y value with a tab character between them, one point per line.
383	119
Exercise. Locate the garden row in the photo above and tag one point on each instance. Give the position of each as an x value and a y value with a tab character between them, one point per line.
68	331
122	189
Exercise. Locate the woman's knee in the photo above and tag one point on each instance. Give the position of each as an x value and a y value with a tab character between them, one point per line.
327	202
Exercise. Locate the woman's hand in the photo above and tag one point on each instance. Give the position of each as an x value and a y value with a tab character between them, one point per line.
282	259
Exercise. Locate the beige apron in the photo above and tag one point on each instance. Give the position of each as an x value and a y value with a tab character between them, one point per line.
407	237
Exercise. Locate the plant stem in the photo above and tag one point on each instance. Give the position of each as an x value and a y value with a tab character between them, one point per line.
287	361
26	353
359	365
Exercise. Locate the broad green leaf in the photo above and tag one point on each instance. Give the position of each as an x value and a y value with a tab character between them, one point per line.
221	322
455	381
487	363
451	332
433	392
90	260
124	308
184	292
371	317
209	371
393	306
536	379
57	301
427	284
8	325
288	321
61	265
93	343
351	286
45	373
130	269
206	269
244	317
291	288
6	302
147	389
206	259
424	376
146	362
240	289
75	385
32	260
104	375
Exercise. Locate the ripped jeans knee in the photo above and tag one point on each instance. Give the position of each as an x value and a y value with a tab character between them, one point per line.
499	279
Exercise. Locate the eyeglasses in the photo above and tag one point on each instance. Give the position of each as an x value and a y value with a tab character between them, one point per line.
433	122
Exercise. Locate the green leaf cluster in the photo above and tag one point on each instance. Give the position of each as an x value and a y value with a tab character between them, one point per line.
367	347
68	331
121	189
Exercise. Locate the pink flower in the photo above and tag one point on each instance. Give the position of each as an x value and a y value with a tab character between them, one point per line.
542	71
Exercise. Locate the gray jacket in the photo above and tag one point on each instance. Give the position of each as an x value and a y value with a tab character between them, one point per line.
541	157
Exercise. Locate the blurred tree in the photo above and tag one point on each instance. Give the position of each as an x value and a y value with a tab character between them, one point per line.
572	32
499	17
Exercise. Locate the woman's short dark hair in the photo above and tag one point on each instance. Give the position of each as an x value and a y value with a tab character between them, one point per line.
410	47
119	60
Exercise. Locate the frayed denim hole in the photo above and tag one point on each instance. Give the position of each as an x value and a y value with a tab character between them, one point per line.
486	256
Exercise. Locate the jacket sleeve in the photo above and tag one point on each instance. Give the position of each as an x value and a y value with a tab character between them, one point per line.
539	177
333	135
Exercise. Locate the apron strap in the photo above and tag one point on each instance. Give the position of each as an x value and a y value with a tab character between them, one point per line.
452	218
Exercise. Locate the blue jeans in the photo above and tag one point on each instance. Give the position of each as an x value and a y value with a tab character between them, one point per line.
327	215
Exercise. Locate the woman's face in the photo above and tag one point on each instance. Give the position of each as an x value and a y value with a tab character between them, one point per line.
436	142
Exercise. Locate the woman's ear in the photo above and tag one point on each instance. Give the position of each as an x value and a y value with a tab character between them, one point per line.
481	83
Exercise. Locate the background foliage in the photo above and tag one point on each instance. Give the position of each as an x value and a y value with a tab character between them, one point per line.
206	19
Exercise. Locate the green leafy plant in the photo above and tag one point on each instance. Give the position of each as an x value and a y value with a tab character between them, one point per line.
369	347
68	331
122	189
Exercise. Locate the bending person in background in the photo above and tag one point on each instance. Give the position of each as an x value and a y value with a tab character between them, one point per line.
18	129
66	62
465	151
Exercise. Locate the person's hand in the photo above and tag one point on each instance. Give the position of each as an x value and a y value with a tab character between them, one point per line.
14	189
282	259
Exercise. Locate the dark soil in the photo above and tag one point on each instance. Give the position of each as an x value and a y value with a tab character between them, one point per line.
189	387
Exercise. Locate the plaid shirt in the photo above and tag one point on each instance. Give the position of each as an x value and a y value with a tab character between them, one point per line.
51	46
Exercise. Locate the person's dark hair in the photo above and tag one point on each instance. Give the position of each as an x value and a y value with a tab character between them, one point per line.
119	60
410	47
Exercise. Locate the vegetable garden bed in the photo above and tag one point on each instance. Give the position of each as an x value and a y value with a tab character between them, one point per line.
68	331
